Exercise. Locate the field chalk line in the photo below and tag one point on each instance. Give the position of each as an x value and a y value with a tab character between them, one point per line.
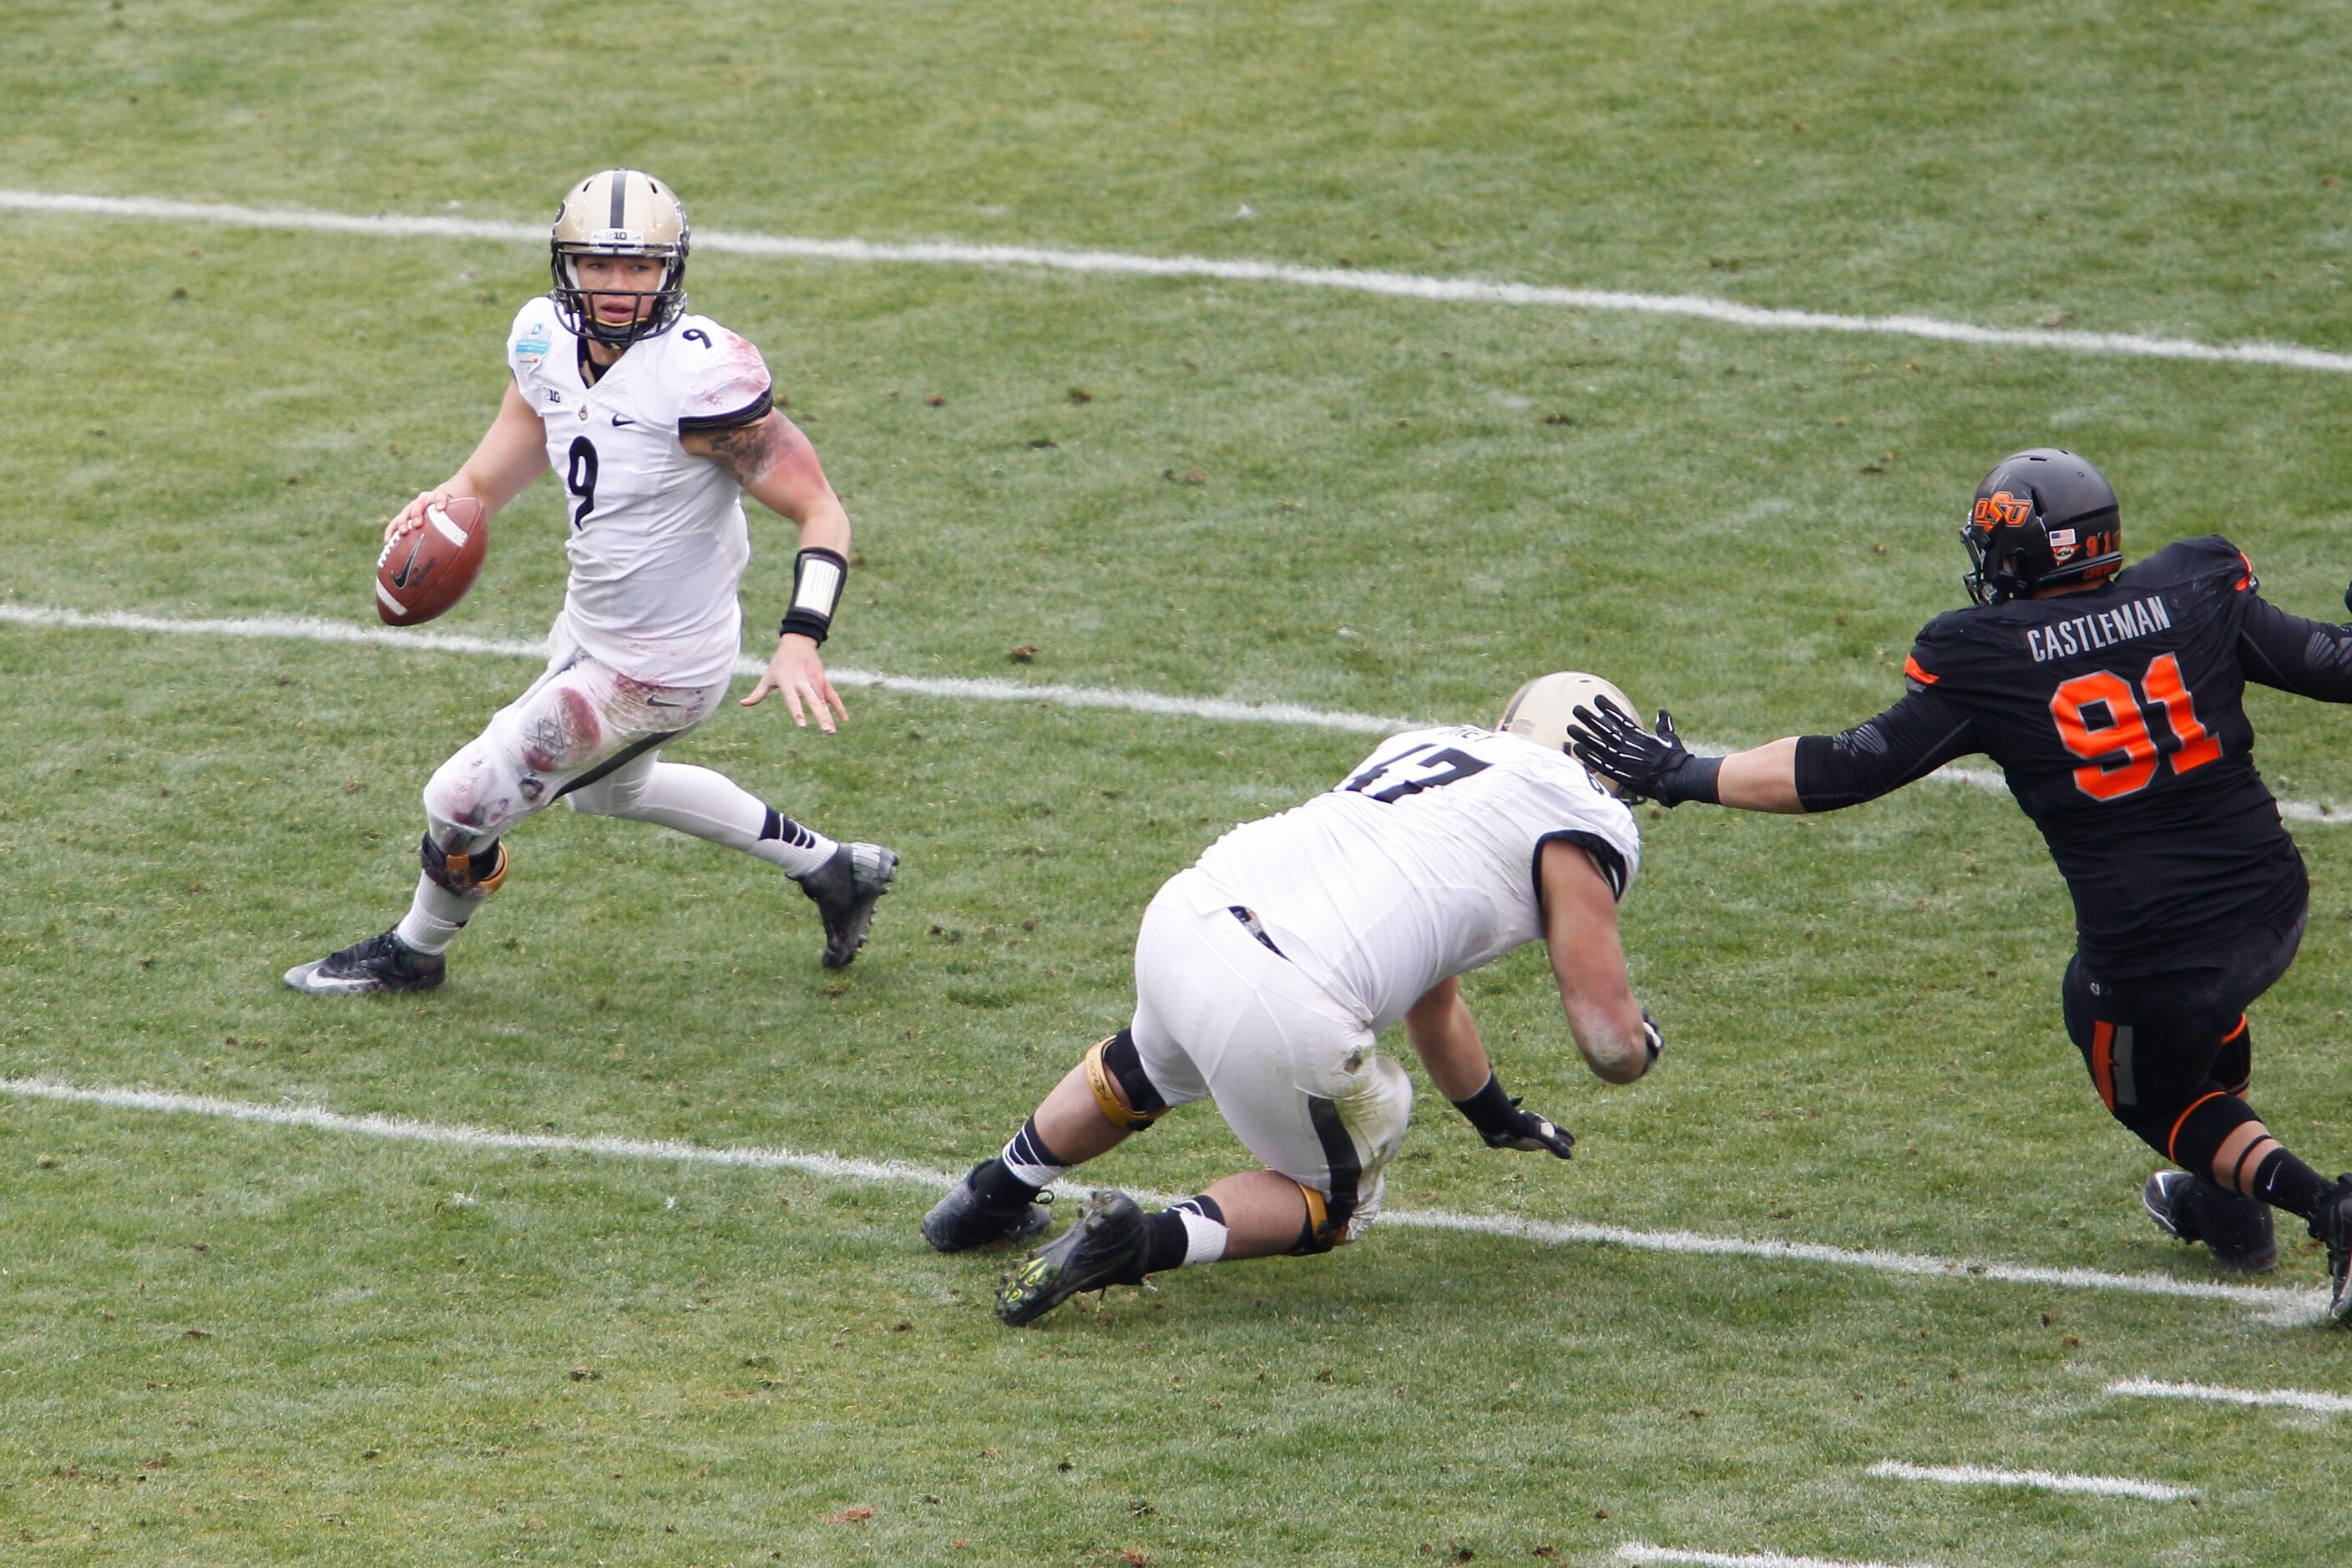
2276	1305
1643	1552
1112	263
2284	1398
958	688
967	689
2034	1480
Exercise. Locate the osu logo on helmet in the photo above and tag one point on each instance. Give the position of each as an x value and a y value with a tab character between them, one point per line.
2043	518
2001	509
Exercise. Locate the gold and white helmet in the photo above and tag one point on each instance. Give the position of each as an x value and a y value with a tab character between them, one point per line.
621	212
1544	711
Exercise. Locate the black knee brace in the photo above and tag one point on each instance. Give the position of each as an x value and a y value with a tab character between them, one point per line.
477	875
1324	1227
1114	1060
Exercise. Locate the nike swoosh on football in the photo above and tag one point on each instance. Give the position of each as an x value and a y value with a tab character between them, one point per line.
400	578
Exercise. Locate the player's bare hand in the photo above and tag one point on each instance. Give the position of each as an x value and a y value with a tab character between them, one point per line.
413	514
799	674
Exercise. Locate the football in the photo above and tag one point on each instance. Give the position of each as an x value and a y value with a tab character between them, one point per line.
425	570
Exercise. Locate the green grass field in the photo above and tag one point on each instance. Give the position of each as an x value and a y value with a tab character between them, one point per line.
242	1341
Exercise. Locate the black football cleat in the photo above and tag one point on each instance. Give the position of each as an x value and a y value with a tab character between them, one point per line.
380	963
845	889
2234	1228
964	1220
1104	1246
2333	1225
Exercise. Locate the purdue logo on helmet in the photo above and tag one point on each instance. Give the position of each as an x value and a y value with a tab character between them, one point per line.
2042	517
621	212
1543	710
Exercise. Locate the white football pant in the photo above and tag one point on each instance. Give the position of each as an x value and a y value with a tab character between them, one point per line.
1295	1074
583	729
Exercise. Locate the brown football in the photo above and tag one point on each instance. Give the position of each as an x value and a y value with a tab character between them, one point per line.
427	568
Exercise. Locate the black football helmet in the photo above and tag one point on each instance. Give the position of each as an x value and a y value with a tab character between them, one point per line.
2042	517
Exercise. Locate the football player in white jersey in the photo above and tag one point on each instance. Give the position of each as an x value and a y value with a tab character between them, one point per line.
1264	972
657	422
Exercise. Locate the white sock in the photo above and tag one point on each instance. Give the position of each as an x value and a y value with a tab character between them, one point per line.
434	916
1204	1238
712	805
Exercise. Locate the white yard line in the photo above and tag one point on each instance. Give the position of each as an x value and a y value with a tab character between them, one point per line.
2275	1305
1395	285
959	688
1643	1552
2284	1398
2033	1481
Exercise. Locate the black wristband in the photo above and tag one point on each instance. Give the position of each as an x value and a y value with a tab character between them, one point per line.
818	577
1490	1110
1694	780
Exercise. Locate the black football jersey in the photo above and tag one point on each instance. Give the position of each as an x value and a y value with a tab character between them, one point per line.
2116	715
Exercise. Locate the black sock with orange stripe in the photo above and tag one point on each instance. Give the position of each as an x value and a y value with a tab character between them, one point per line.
2286	1182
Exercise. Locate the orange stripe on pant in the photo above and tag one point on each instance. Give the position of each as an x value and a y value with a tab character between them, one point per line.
2103	1061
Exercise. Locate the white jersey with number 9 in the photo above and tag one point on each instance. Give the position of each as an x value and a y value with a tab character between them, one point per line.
657	541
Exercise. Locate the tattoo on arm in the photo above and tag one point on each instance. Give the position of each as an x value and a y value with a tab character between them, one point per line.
750	451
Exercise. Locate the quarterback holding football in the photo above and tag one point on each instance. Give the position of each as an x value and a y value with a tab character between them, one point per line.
657	422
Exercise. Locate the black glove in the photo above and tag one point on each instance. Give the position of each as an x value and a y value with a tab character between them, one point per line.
1653	1036
1611	742
1501	1122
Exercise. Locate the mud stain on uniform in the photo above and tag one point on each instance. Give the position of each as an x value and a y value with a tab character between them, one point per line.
560	735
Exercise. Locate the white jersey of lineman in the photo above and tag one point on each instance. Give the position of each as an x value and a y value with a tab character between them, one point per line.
657	540
1421	866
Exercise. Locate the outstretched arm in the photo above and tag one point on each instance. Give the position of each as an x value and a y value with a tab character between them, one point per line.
1761	779
2310	658
1795	773
511	454
778	468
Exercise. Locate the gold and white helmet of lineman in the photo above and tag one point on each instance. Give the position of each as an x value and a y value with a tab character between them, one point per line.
620	212
1544	711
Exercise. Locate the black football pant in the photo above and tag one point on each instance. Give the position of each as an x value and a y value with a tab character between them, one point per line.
2171	1054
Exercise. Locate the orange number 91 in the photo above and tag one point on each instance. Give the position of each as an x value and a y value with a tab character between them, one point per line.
2121	753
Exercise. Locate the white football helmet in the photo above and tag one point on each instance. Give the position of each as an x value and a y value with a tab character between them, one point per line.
621	212
1543	710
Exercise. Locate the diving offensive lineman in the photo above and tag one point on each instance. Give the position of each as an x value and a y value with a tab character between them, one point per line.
2112	701
658	422
1263	973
